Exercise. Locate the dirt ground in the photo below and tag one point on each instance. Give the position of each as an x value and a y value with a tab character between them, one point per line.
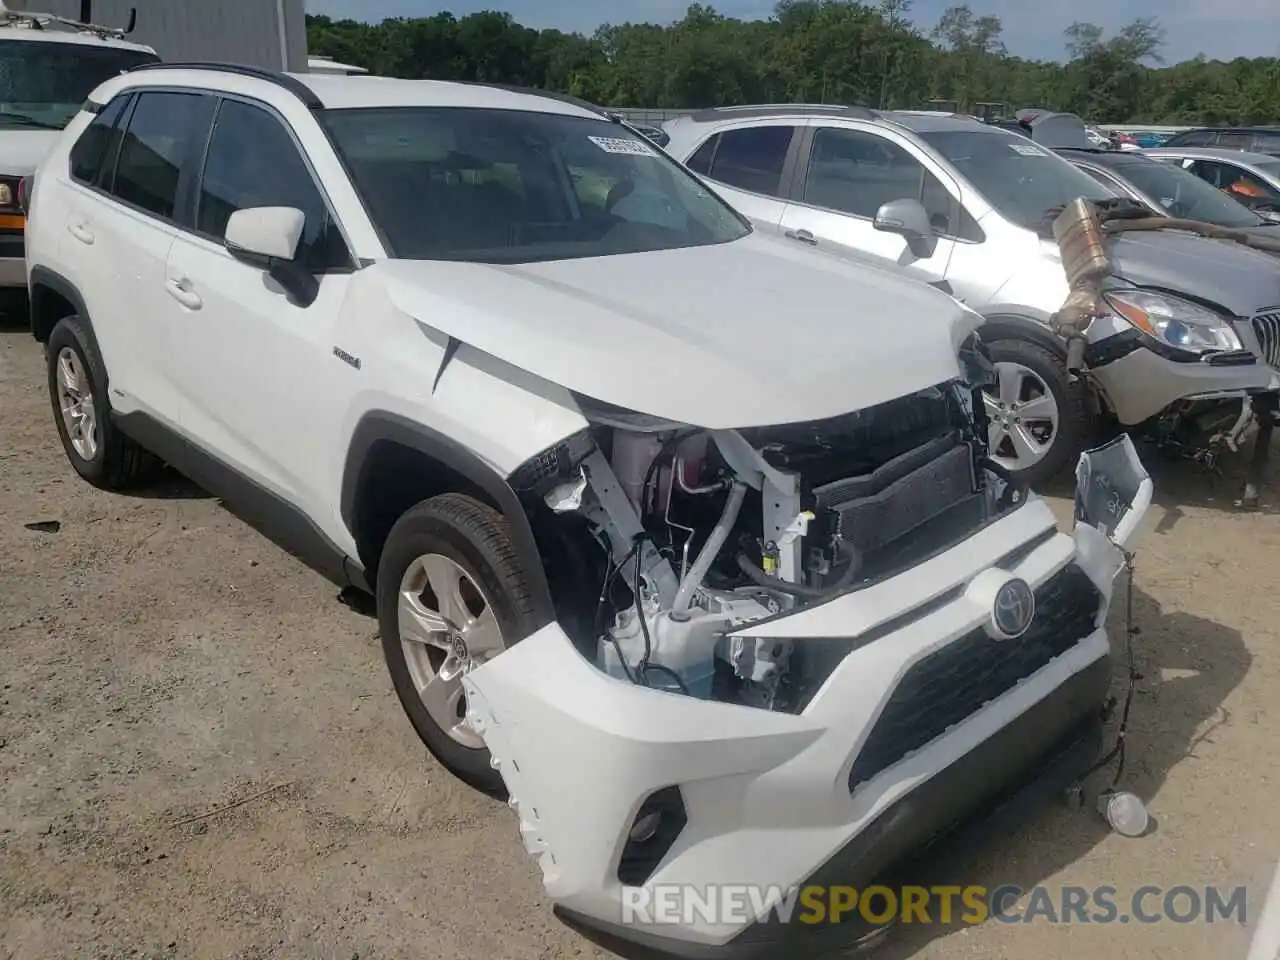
201	756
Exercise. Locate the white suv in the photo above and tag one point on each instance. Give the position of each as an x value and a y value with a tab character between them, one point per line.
495	358
1176	353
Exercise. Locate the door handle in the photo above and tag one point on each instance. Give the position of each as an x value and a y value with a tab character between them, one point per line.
804	236
81	232
180	290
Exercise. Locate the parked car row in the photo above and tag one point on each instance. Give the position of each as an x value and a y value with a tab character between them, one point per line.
1190	346
742	582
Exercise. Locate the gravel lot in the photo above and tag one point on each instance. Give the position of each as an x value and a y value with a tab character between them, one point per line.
161	661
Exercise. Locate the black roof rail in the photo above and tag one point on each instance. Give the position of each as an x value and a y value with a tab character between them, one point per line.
855	111
546	95
282	80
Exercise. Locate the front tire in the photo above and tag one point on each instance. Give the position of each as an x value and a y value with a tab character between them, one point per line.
451	594
1040	420
95	447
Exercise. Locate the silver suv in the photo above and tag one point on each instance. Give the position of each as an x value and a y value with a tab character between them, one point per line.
968	207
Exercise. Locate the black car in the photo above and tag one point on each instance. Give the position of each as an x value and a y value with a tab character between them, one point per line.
1167	189
1253	139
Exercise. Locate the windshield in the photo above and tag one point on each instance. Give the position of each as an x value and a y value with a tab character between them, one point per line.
506	186
1022	180
44	84
1183	194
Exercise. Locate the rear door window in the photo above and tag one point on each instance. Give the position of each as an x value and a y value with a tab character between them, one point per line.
700	162
753	158
1236	141
1267	143
94	150
162	143
1194	138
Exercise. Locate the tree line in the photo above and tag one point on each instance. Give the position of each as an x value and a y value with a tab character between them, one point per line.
830	51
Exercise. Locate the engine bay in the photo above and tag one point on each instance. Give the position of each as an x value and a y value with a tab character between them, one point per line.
661	540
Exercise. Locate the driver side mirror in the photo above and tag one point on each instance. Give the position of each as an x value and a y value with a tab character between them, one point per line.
268	237
910	220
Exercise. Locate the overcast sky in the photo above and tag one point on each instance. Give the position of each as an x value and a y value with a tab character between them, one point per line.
1217	28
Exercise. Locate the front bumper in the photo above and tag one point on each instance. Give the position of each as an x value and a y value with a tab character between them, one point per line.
773	799
1141	383
985	793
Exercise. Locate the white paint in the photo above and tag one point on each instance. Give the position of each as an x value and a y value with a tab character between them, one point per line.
1265	944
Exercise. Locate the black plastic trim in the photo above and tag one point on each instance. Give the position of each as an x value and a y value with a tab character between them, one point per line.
282	80
1231	358
13	245
1012	326
1122	344
271	515
641	858
1110	350
381	425
44	277
978	798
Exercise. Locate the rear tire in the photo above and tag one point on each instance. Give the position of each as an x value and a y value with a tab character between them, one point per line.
451	558
94	445
1076	423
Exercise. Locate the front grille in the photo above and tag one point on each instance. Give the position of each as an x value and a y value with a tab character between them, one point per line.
952	684
1266	327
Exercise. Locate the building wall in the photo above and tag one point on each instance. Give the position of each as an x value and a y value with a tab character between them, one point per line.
233	31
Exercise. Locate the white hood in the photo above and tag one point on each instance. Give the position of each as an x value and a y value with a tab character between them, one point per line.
748	333
22	149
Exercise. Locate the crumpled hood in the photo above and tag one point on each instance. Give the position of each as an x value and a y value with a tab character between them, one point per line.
22	149
748	333
1238	278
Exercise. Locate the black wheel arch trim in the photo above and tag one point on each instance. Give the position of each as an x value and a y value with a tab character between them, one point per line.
1009	326
44	277
380	425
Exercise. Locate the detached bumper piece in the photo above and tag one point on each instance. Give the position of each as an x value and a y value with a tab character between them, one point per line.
984	793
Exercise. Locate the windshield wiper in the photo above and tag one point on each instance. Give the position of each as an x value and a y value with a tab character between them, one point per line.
21	119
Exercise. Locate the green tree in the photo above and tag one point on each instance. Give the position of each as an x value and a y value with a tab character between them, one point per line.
839	51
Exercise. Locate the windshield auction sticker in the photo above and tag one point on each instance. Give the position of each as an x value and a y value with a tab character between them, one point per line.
635	148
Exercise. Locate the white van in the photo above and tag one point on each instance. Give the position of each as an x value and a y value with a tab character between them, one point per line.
48	67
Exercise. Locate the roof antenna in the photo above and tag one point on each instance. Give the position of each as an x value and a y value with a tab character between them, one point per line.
86	11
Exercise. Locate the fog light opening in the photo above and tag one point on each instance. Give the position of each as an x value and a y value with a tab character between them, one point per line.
655	828
646	827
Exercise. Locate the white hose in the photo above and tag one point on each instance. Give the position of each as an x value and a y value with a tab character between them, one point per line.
707	555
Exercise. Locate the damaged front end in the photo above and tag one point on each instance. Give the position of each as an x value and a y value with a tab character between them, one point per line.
787	654
689	534
1188	377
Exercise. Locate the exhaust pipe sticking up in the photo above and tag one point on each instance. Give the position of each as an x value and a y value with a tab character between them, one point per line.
1078	232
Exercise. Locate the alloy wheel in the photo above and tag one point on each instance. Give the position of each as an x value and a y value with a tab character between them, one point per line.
1022	417
447	627
75	401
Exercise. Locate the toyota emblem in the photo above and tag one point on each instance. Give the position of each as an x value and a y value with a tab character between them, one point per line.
1014	609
